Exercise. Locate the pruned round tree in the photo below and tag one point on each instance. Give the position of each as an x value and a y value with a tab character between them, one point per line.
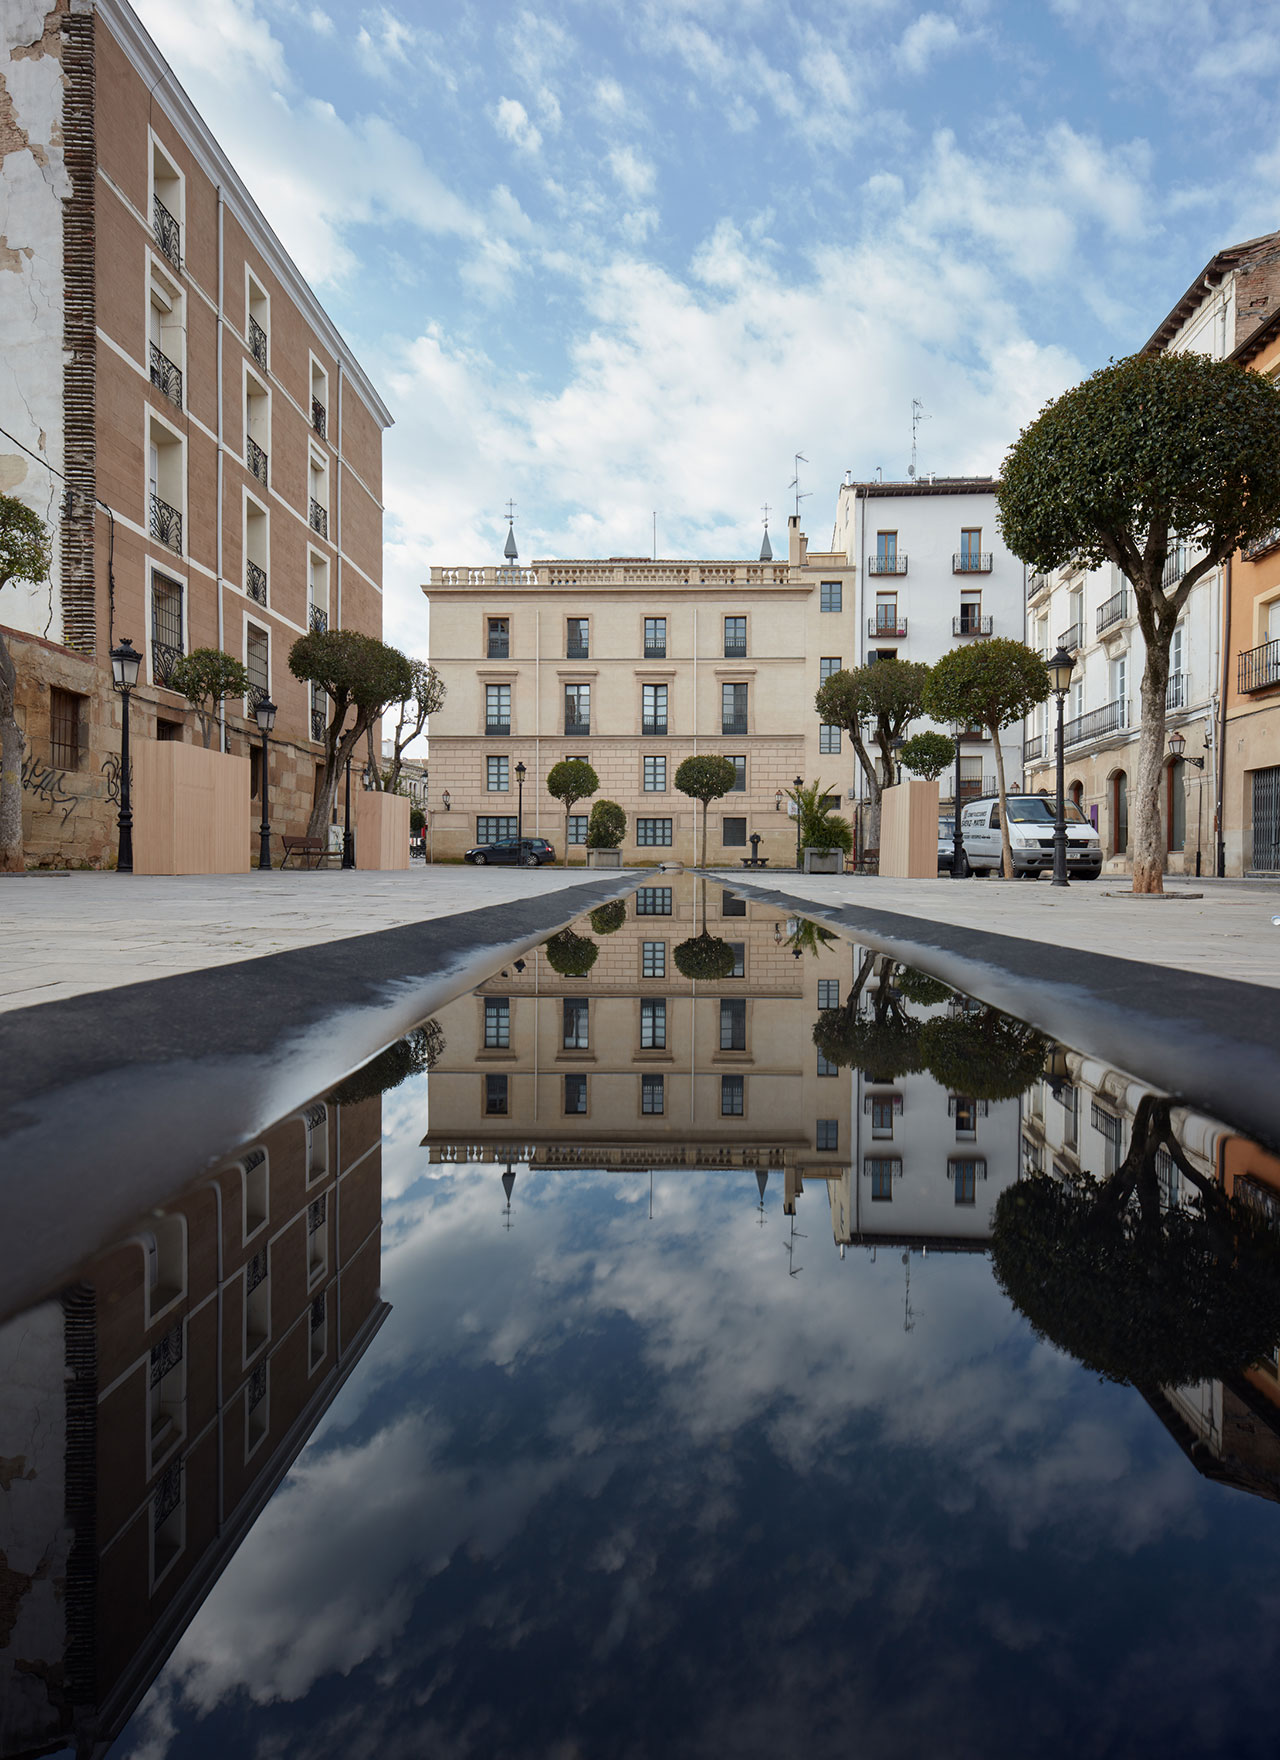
570	781
606	825
927	755
985	1055
989	684
705	958
705	778
885	1043
26	551
607	919
1149	453
883	700
572	956
361	676
207	677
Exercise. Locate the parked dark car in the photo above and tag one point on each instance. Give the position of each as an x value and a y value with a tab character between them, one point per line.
946	844
528	852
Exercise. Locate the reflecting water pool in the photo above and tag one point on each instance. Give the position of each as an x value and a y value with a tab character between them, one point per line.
704	1337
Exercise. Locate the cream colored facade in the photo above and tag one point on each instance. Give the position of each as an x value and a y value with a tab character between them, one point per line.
563	660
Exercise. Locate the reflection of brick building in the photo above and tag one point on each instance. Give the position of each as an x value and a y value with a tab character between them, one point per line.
199	1355
635	1066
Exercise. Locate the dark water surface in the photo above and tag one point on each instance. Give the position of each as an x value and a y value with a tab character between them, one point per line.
479	1411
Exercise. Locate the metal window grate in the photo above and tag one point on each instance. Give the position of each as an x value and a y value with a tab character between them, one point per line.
256	1270
257	342
168	1492
256	459
319	1311
165	376
166	1355
166	523
258	1386
168	232
317	620
318	518
255	582
319	418
64	729
317	1211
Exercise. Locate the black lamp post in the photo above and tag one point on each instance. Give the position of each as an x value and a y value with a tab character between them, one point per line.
798	785
125	663
348	836
1060	667
958	861
521	773
265	715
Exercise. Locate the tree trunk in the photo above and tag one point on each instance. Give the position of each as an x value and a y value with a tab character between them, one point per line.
338	747
1145	830
705	805
375	764
1006	845
12	857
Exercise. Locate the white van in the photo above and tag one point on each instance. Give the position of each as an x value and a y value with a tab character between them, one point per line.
1031	819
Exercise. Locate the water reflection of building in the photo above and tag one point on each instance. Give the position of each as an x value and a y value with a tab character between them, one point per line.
637	1067
147	1417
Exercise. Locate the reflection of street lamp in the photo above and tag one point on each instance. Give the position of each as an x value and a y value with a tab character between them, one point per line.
264	711
895	746
1177	746
958	862
1060	668
444	800
1057	1071
521	773
777	802
125	662
799	784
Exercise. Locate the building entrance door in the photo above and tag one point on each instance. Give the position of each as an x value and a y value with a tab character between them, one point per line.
1266	818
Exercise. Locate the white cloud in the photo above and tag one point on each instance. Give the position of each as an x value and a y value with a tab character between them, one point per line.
926	39
512	122
226	38
634	173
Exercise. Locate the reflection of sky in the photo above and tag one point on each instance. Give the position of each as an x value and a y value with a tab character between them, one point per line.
607	1486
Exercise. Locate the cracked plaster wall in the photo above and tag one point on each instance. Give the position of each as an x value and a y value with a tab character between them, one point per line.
33	187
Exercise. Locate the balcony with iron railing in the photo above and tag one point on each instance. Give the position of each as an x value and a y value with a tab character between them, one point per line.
973	788
319	417
575	728
655	650
734	650
255	582
502	727
1097	723
1037	584
318	518
577	650
256	693
1176	692
1070	638
1175	567
164	657
965	625
317	620
1113	610
1033	749
317	723
654	726
1260	546
166	523
258	343
1259	668
256	459
886	627
165	376
168	232
733	724
971	562
887	564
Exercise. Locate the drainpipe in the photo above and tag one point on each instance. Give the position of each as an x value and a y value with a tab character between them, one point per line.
1220	866
337	501
222	707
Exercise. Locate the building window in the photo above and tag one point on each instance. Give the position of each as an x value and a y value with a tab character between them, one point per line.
966	1112
653	901
739	775
739	959
257	664
654	708
732	1093
495	827
964	1176
66	737
735	638
828	1135
886	614
575	1094
497	708
655	638
653	1024
826	1067
971	548
734	833
497	1023
577	709
970	614
577	640
828	739
828	992
499	638
886	552
654	831
166	628
577	827
653	959
826	666
655	775
732	904
733	1024
496	776
831	594
733	708
575	1024
881	1169
652	1096
495	1095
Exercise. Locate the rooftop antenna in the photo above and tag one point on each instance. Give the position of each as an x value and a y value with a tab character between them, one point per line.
917	416
509	548
766	548
793	1270
801	495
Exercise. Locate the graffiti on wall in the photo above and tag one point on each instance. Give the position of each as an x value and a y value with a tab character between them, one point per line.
49	785
111	770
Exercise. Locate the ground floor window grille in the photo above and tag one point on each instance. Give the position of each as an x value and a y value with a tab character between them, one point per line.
495	1095
652	1097
496	775
495	827
732	1096
734	834
166	627
66	740
578	828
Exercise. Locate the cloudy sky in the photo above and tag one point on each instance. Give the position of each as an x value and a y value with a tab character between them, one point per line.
612	257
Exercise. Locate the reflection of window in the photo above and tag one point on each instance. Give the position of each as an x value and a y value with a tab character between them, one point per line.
652	1098
966	1112
499	638
739	775
653	901
497	1023
965	1175
653	959
731	1096
495	1094
733	1024
826	1067
828	1133
731	905
575	1094
881	1170
575	1023
828	992
881	1117
739	949
653	1024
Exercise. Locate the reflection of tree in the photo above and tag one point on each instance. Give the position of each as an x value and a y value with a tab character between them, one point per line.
704	956
606	919
885	1043
572	956
920	988
417	1051
986	1055
1157	1296
809	937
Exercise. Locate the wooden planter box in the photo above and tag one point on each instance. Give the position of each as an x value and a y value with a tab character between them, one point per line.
191	809
909	830
823	861
381	824
604	858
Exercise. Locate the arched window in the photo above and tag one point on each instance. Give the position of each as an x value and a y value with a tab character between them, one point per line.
1119	813
1077	795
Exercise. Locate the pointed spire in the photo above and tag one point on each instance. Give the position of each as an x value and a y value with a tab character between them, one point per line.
509	549
508	1180
762	1180
766	548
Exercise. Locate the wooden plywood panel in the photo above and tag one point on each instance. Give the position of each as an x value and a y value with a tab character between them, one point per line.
382	829
909	831
191	810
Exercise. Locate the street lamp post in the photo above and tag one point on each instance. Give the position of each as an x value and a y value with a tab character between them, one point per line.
265	715
1060	668
798	785
348	836
958	860
1177	746
521	773
125	663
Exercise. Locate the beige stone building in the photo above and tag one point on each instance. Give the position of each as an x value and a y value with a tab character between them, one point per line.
635	665
179	408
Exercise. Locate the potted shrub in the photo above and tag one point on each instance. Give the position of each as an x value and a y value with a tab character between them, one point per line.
606	829
825	837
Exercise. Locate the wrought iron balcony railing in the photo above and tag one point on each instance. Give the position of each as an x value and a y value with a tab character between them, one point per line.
1113	610
256	459
164	657
973	788
577	650
168	232
1260	546
166	523
1259	668
886	626
1175	695
497	727
971	562
1097	724
499	648
1175	567
735	650
255	582
258	343
1070	638
317	723
165	376
655	650
168	1492
1036	584
1033	749
256	1270
970	626
317	619
576	729
256	693
887	564
318	518
736	724
654	727
319	418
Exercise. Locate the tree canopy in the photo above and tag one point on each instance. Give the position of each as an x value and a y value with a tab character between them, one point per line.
570	781
984	1054
572	956
206	677
606	826
886	698
424	698
704	957
705	778
927	755
417	1051
358	673
26	551
607	919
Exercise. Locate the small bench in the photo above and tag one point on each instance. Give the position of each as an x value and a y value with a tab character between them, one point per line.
313	850
754	861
